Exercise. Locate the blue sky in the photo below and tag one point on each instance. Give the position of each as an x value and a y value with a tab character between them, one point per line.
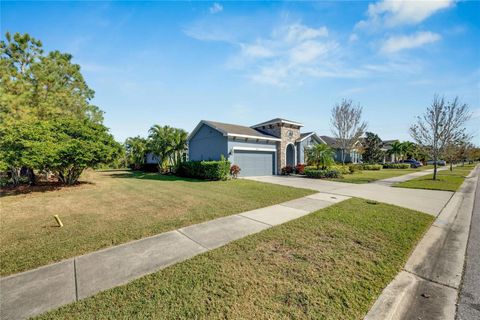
176	63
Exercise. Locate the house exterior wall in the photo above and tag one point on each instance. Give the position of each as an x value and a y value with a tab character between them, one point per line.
350	157
250	144
207	144
281	130
150	158
308	142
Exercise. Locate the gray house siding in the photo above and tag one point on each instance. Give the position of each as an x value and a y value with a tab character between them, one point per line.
350	157
207	144
310	141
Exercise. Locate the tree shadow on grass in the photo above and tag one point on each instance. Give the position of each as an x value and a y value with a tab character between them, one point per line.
151	176
40	187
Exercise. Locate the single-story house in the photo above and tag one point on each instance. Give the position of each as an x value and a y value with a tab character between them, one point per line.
386	147
352	156
262	149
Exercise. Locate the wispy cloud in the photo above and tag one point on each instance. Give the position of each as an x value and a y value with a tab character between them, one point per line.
398	43
392	13
216	8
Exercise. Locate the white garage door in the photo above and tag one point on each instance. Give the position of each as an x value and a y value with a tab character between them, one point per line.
254	163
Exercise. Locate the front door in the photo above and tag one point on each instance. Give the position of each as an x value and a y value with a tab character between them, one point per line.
290	155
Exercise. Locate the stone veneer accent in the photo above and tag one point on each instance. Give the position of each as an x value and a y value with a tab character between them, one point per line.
280	130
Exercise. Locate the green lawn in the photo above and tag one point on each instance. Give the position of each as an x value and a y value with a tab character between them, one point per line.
331	264
118	206
367	176
446	180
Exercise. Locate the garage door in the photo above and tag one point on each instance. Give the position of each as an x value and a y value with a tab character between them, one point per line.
254	163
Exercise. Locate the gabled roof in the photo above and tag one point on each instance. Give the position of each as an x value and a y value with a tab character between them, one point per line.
233	130
278	120
305	135
333	142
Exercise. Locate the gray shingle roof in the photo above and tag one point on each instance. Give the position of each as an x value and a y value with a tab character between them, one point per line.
277	120
331	141
234	129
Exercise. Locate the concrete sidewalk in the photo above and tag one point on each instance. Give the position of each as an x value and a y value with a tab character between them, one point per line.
428	201
427	287
391	181
33	292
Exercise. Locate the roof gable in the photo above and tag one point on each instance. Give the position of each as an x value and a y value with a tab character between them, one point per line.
233	130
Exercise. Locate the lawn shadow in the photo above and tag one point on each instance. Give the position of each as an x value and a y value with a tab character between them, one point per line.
39	188
151	176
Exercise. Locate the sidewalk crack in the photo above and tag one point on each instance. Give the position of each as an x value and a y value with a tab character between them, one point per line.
430	280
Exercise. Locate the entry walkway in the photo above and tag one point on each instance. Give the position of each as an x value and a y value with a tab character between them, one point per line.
391	181
33	292
428	201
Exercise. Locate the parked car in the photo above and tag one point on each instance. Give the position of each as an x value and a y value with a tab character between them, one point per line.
439	162
413	163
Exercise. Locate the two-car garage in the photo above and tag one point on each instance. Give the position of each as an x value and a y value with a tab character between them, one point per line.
254	162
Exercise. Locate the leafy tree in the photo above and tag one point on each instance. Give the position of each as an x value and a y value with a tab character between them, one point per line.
320	155
347	125
372	152
409	149
442	124
38	86
136	149
80	144
28	144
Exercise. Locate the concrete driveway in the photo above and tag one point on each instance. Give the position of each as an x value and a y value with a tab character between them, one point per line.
431	202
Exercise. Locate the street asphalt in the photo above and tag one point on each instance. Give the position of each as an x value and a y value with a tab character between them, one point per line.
469	296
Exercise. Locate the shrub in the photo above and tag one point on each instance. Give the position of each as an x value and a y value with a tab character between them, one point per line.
342	169
372	167
207	170
287	170
235	170
355	167
396	166
322	174
300	168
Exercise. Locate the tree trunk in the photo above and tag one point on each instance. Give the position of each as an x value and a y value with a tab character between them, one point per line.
31	176
434	168
451	165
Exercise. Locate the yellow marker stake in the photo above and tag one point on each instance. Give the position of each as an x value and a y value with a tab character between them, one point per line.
60	224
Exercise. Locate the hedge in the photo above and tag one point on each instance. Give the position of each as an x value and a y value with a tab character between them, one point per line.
321	174
372	167
396	166
207	170
341	168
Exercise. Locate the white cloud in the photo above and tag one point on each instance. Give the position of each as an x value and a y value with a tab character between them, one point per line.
353	38
392	13
309	51
257	50
298	32
216	8
398	43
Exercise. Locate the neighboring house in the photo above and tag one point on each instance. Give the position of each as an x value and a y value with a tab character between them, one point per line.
262	149
351	156
386	147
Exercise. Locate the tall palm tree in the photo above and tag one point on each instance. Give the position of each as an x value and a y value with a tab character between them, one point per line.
179	140
167	144
396	150
136	148
320	155
409	149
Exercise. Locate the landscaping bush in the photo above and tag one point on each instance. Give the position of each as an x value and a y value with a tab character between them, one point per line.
322	174
341	168
300	168
396	166
207	170
234	171
372	167
287	170
355	167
